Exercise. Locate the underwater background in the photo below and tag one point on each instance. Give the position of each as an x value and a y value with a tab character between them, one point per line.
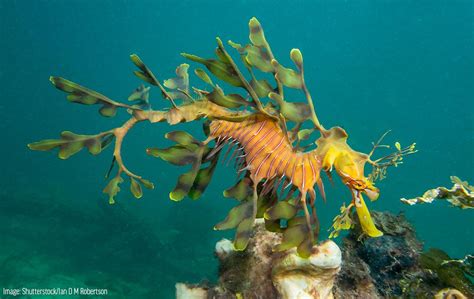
371	66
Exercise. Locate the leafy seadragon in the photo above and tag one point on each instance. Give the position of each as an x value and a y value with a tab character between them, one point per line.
277	175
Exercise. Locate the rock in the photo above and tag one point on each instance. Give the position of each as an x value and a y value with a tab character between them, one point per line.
249	272
223	248
449	294
184	291
373	267
391	266
452	275
259	272
295	277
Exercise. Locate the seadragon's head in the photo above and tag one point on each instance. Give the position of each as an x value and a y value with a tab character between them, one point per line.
337	155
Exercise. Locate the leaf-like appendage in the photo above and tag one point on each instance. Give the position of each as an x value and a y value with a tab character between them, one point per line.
147	184
305	133
273	226
177	154
236	216
71	143
189	150
304	250
141	93
241	190
265	201
262	87
297	235
297	112
145	73
342	221
194	182
180	83
203	76
257	37
240	217
292	237
218	97
221	68
257	57
243	234
203	179
282	210
85	96
112	188
182	138
287	77
135	188
297	58
182	79
185	182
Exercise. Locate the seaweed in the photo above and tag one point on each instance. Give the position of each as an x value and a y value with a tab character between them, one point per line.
461	195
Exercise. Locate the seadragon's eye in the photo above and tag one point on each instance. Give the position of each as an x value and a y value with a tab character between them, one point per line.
358	185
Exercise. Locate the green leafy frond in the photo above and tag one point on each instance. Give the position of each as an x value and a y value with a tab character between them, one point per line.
201	74
176	154
240	217
141	93
135	188
218	97
342	221
71	143
221	67
203	178
147	75
82	95
112	188
296	235
179	85
188	150
240	191
183	138
282	210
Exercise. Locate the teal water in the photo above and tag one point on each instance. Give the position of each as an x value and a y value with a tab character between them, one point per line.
371	66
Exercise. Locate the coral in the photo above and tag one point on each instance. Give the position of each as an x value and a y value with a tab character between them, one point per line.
461	195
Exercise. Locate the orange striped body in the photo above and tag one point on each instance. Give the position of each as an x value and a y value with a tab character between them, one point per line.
268	154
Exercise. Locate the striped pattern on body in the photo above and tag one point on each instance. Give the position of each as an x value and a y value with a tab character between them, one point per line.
268	154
